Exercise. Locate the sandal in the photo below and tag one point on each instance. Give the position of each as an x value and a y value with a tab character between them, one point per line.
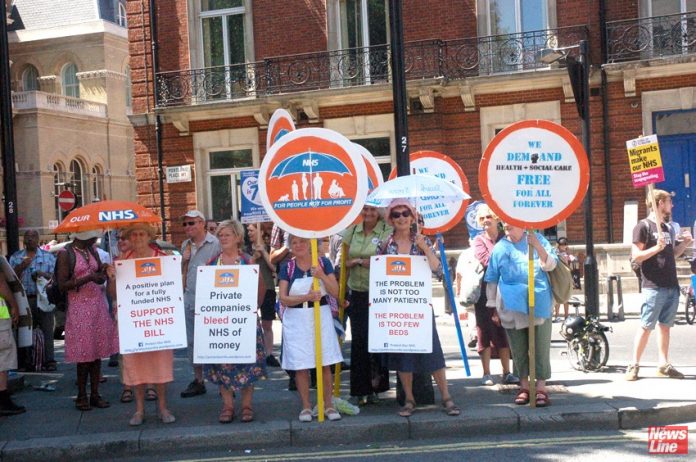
137	419
450	408
98	402
226	415
247	414
522	397
542	399
305	415
127	396
150	394
332	414
407	410
82	403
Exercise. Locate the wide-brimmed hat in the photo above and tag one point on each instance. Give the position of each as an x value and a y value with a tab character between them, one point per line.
136	226
87	235
400	202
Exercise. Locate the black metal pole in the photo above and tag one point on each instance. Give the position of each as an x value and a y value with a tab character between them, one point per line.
590	266
399	88
8	155
158	121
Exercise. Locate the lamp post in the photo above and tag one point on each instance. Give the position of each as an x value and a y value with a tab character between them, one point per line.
579	74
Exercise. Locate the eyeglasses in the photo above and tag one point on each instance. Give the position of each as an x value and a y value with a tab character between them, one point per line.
406	213
189	223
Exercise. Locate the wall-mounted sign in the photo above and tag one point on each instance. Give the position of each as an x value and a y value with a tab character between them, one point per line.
179	174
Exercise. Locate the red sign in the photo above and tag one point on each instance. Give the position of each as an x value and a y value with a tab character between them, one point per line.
672	439
280	125
66	200
313	182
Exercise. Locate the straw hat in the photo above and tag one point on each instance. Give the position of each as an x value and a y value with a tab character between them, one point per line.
136	226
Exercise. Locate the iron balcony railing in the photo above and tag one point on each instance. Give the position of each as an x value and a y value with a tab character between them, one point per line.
450	60
654	37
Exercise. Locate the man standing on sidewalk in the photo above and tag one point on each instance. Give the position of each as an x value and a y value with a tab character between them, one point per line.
197	250
656	253
29	264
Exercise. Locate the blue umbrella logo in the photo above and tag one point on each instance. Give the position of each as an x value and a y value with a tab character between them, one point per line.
309	162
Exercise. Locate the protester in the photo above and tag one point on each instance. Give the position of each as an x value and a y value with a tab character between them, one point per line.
566	257
297	294
655	253
234	377
492	339
30	264
9	317
197	250
89	328
362	240
152	367
261	256
401	215
507	276
211	226
123	247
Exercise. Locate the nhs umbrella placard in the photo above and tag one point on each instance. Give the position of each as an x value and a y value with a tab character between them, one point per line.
252	208
401	318
438	215
225	316
281	124
150	304
313	182
374	174
534	174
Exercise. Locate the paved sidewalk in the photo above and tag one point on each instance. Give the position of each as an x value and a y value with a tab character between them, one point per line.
53	429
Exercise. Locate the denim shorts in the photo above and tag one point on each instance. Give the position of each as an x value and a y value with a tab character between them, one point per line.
659	305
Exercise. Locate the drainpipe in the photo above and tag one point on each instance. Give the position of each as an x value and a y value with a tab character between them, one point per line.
605	120
158	120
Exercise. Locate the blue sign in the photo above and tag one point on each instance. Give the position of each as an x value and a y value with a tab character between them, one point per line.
470	217
252	209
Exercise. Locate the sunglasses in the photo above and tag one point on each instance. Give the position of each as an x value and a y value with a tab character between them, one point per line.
189	223
406	213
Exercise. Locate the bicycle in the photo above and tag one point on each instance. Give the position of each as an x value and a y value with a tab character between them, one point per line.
689	300
587	343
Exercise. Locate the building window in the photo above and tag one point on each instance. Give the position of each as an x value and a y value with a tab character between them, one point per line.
650	8
71	86
30	79
223	181
121	17
77	185
58	186
97	183
129	89
381	150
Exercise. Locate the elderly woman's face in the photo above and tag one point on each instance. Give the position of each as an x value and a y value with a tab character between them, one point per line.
228	238
299	246
513	232
401	217
370	214
488	221
139	238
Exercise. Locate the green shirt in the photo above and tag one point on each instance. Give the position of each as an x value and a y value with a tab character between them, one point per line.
362	246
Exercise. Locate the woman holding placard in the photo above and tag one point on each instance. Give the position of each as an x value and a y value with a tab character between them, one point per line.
297	299
508	293
362	240
152	367
235	377
407	240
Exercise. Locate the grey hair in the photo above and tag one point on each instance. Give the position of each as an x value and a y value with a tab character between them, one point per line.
234	225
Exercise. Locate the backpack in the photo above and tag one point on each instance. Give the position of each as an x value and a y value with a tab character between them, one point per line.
471	271
53	293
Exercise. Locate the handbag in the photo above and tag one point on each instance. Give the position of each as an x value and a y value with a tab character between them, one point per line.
561	281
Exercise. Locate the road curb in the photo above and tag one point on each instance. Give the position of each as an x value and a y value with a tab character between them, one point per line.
632	418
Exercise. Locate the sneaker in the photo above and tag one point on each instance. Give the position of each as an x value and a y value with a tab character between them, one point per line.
632	372
487	381
194	388
510	379
669	371
272	361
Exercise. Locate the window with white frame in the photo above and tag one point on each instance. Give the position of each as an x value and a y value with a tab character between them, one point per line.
650	8
121	16
77	182
97	183
30	79
58	186
71	85
380	148
224	183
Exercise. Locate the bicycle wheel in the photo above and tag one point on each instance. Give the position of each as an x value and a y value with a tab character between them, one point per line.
690	309
597	355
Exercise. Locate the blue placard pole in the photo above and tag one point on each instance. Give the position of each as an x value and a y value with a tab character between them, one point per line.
450	295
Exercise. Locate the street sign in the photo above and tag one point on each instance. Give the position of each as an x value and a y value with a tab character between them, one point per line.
66	200
179	174
534	174
313	182
645	161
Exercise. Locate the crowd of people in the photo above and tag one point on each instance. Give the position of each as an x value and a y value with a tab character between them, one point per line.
88	279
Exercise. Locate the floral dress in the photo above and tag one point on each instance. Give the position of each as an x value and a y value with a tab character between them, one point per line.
236	376
424	363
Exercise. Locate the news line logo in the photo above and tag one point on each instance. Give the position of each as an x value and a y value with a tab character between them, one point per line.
671	439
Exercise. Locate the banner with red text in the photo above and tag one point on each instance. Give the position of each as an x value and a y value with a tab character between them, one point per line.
401	314
226	302
150	304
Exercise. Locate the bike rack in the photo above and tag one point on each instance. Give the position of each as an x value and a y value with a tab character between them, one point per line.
611	316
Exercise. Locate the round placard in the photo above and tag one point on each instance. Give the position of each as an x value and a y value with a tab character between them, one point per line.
534	174
281	124
313	182
438	216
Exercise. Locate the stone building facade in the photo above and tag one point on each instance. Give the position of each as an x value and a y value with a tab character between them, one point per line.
472	68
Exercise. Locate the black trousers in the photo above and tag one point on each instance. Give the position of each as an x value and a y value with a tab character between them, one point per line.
366	375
